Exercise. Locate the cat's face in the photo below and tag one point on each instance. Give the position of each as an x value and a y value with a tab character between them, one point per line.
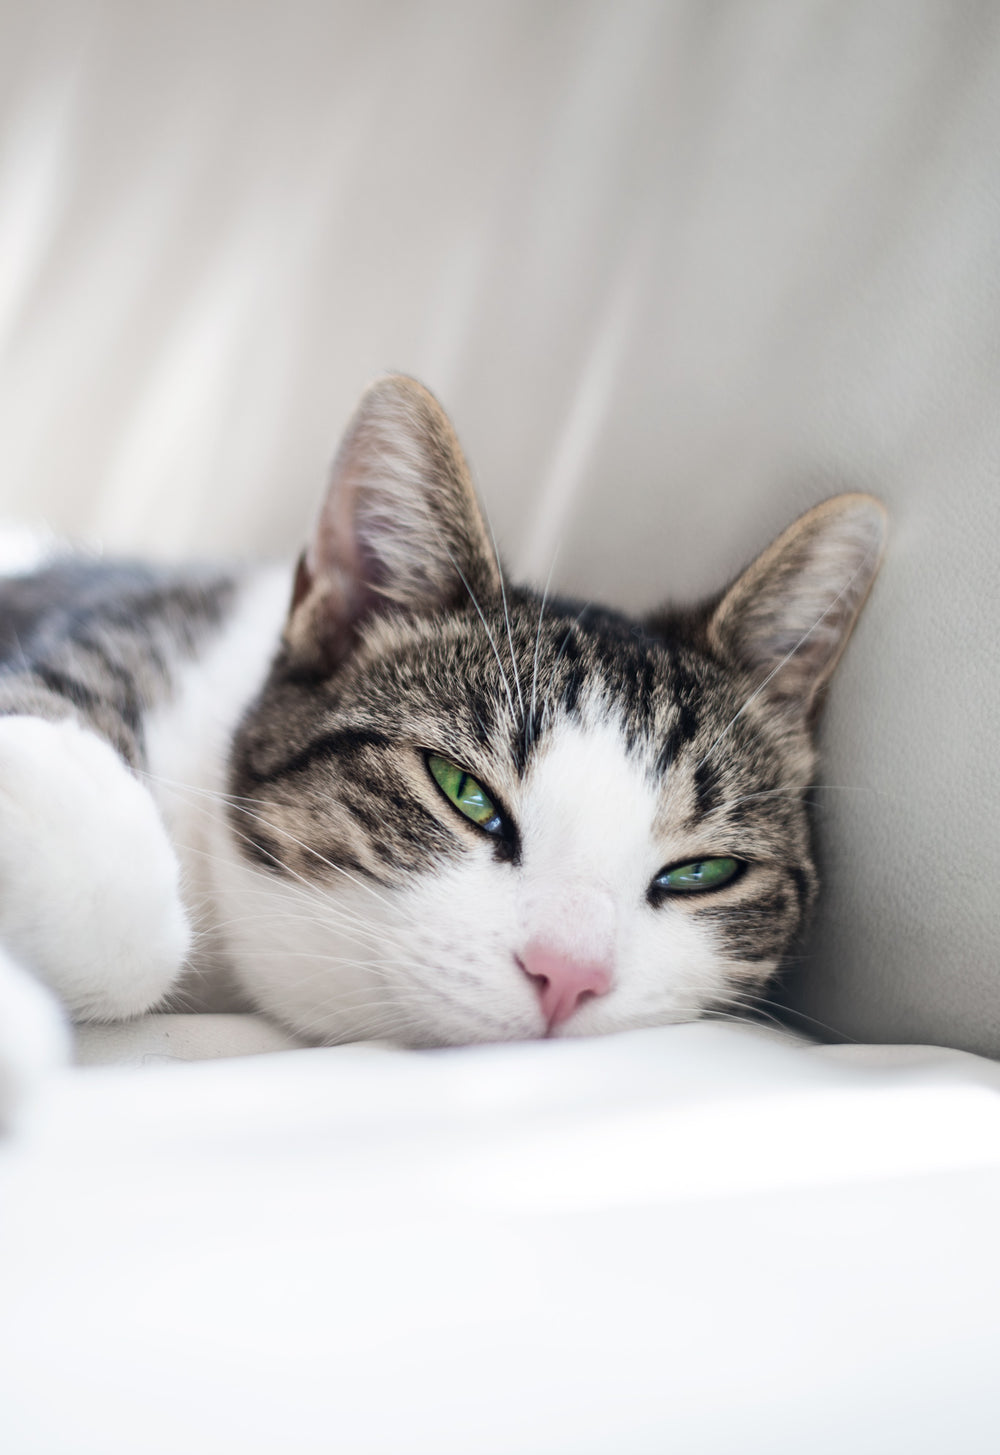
468	814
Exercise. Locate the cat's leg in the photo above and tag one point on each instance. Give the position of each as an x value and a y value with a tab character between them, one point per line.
89	882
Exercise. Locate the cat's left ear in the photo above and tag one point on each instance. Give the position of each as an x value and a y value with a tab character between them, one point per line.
788	617
399	529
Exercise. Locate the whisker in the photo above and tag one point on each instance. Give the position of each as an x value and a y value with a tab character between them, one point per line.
506	613
321	912
565	643
277	829
787	1010
538	643
482	618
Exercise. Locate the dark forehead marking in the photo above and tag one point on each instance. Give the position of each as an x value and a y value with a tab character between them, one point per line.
592	645
688	693
708	790
479	712
682	730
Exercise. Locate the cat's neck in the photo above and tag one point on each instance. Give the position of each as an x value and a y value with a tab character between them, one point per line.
188	739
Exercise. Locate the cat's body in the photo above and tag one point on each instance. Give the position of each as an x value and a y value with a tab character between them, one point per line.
422	804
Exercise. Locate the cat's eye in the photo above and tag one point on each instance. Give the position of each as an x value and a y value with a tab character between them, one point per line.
697	877
468	796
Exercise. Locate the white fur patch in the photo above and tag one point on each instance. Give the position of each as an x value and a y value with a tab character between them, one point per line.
437	963
187	745
89	896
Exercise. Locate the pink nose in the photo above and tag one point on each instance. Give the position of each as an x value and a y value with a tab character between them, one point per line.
561	980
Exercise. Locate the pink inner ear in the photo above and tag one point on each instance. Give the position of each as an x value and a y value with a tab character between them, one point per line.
399	527
563	982
337	580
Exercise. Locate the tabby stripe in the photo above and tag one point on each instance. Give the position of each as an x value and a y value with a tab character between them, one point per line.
707	787
261	847
681	731
571	691
328	745
802	886
69	687
115	670
757	930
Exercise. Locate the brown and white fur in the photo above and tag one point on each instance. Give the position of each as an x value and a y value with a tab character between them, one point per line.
207	793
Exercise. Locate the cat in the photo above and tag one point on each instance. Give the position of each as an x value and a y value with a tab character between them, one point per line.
393	795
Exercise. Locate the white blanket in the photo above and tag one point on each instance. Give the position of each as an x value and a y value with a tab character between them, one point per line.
703	1238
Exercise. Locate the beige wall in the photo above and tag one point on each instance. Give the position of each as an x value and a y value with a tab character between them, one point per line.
678	270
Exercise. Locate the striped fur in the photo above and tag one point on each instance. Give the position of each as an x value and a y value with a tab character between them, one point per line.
330	881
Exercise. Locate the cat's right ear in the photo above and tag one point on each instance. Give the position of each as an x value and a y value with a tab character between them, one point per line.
400	528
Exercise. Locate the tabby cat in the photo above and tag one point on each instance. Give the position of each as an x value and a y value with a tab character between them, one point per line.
397	796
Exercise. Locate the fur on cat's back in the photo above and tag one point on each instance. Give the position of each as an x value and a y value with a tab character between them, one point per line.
392	793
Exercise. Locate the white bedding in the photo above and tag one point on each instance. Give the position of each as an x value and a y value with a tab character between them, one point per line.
704	1238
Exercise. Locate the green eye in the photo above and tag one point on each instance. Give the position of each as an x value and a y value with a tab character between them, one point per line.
468	796
696	877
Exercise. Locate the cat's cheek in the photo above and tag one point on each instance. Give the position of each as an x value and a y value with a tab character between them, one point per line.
320	963
461	974
669	970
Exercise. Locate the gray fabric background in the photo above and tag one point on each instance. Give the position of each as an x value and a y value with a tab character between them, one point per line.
678	270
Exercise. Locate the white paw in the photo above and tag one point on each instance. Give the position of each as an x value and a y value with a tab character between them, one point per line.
34	1038
89	883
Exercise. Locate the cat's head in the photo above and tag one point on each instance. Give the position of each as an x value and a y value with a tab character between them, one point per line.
468	813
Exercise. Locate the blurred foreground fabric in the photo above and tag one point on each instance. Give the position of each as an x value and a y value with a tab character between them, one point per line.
677	271
702	1239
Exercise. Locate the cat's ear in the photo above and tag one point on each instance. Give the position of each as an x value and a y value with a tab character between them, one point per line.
788	617
400	527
